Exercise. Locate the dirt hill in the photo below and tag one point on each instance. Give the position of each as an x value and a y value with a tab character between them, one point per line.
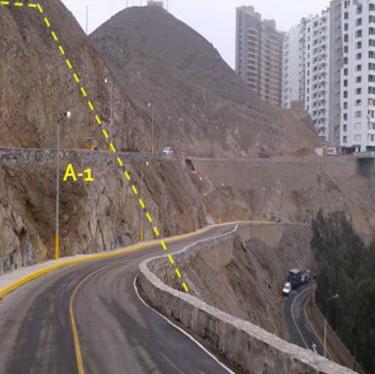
36	89
201	106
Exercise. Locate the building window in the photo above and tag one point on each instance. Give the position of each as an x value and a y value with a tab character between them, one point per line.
358	91
371	90
359	56
359	45
371	78
371	66
358	102
344	139
346	60
359	68
345	83
345	116
371	42
358	114
359	79
359	22
345	105
346	27
346	49
345	128
345	71
371	19
359	9
371	7
346	37
358	34
371	31
346	94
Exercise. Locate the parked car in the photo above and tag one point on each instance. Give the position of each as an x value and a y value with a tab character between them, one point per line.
287	288
167	151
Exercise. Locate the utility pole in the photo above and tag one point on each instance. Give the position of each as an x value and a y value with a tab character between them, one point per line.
57	200
87	19
150	105
141	209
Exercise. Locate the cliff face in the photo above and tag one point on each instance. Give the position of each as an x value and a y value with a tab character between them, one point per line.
36	88
200	105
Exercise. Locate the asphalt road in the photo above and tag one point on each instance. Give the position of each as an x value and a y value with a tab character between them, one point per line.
300	329
117	333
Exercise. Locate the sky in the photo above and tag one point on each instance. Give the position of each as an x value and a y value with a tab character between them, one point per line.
214	19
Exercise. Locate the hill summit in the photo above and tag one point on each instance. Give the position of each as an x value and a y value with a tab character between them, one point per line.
200	104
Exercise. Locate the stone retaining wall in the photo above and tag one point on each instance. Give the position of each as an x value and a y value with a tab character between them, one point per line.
245	347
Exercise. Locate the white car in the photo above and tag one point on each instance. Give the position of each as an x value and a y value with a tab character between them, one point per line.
287	288
167	151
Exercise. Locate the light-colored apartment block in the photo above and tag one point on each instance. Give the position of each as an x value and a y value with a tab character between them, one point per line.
259	54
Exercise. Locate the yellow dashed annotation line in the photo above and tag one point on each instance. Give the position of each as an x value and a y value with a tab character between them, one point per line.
105	132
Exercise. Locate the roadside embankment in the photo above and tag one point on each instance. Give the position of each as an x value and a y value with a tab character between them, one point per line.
244	346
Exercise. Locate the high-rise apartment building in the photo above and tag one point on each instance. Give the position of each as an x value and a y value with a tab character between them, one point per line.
293	78
336	53
358	75
259	54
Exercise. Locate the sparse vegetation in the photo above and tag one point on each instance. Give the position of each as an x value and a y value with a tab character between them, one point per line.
346	267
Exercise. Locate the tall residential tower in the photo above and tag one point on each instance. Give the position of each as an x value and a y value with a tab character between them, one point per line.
259	54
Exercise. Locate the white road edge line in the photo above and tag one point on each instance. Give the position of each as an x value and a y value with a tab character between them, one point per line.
173	324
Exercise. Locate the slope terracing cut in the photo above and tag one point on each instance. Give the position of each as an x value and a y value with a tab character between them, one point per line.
231	300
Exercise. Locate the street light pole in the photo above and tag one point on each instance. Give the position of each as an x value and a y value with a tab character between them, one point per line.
57	202
152	128
141	209
325	325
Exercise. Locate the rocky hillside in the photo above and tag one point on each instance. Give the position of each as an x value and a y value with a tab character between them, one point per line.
36	89
243	274
200	105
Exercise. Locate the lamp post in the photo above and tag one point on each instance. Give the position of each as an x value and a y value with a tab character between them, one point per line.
152	128
262	199
141	209
57	200
325	325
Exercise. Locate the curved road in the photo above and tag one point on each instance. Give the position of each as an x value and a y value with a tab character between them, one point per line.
116	332
301	331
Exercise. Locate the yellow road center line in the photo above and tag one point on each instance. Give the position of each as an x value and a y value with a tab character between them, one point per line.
128	176
171	259
18	4
91	105
83	91
31	5
142	203
178	273
5	2
164	246
40	9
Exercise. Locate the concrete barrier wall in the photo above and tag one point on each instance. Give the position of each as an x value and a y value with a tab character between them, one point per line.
245	347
